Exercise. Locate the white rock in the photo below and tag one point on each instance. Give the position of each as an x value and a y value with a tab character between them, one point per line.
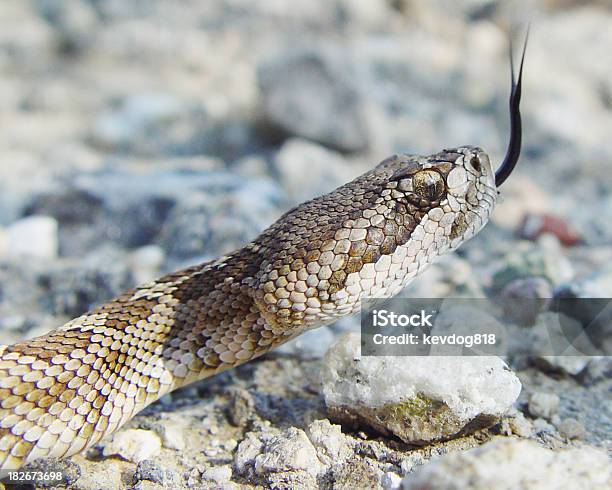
469	385
507	464
290	451
250	447
34	236
519	425
134	445
415	398
173	437
543	404
329	441
146	262
218	474
391	481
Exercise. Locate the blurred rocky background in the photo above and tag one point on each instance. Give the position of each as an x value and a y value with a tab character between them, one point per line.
141	136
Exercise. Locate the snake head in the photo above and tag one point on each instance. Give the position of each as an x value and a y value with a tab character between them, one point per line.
456	187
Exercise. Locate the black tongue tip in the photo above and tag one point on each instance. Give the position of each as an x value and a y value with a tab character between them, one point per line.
514	145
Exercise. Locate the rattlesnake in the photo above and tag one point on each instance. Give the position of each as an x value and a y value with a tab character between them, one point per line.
62	392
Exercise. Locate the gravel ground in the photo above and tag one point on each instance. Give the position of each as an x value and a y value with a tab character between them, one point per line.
139	137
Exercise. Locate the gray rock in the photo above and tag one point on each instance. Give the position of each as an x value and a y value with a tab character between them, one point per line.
598	369
151	212
568	364
302	89
69	470
518	425
189	212
80	214
542	426
543	404
587	300
221	475
172	434
556	342
307	170
209	225
134	445
152	123
527	261
523	299
241	406
187	230
74	22
290	451
27	39
251	166
150	470
506	464
71	289
248	449
358	472
87	218
572	429
329	441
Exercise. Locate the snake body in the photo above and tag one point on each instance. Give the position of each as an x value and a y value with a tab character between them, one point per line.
60	393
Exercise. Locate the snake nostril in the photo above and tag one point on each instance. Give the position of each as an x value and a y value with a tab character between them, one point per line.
475	163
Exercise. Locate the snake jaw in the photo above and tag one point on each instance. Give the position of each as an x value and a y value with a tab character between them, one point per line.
514	145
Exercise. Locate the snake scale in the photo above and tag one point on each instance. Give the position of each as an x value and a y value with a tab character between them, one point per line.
62	392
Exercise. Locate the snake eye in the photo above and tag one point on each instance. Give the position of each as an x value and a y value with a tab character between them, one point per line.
428	184
475	163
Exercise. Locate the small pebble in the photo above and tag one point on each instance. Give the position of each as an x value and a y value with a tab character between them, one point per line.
146	262
535	225
149	470
218	474
543	404
134	445
241	406
541	425
572	429
290	451
523	299
247	451
520	426
173	437
391	481
328	439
